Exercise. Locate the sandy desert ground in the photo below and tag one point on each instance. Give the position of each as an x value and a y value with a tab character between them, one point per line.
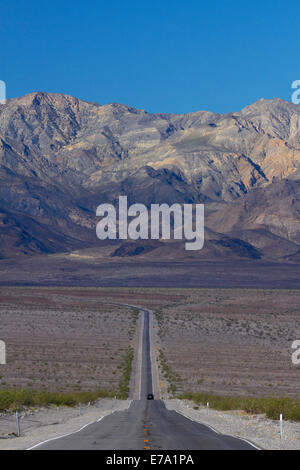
63	340
234	341
224	341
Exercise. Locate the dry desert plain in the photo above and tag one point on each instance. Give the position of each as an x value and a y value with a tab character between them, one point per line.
223	341
64	340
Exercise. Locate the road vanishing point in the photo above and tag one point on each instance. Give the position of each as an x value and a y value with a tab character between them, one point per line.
146	424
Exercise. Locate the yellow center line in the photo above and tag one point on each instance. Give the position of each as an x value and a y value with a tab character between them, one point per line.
146	441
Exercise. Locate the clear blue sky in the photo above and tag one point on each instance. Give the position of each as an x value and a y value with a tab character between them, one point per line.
159	55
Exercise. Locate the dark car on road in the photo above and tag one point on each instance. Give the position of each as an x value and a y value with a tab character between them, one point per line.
150	396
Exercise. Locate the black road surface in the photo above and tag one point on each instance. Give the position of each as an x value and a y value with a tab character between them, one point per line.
147	424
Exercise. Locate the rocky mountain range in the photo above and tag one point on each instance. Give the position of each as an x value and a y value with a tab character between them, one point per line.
61	157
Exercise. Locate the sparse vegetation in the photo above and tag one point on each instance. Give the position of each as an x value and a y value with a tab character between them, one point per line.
125	382
271	407
171	376
11	400
231	341
79	340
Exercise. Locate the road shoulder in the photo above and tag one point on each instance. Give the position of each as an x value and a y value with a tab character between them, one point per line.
47	424
256	429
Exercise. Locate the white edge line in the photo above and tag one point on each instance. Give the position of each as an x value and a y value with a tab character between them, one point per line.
218	432
245	440
75	432
61	437
198	422
179	412
154	370
141	345
150	348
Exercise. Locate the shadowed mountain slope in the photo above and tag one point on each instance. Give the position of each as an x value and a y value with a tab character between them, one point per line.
61	157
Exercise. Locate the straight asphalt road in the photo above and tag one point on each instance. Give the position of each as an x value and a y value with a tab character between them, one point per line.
147	424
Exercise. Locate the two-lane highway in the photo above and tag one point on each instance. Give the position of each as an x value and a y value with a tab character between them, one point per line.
147	424
146	373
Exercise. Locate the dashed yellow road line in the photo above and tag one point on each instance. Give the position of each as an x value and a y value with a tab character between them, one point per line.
146	441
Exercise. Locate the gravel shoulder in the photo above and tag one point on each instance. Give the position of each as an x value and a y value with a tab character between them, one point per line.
135	382
257	429
154	346
48	423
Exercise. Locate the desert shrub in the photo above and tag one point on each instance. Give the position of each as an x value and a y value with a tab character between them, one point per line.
19	398
270	406
126	365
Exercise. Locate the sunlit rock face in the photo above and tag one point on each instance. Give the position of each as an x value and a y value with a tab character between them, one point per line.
60	157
